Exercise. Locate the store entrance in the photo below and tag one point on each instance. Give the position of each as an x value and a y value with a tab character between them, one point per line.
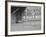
19	13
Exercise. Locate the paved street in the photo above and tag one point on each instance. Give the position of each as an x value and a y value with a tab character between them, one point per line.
25	26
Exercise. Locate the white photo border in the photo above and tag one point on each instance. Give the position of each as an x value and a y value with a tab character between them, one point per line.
9	4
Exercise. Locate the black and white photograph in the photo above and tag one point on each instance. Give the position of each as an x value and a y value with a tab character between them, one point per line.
25	18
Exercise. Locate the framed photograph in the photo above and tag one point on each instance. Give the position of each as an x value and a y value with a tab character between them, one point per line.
24	18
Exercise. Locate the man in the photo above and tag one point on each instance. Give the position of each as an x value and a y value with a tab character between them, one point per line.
19	14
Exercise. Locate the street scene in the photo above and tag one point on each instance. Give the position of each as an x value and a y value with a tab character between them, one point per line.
25	18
